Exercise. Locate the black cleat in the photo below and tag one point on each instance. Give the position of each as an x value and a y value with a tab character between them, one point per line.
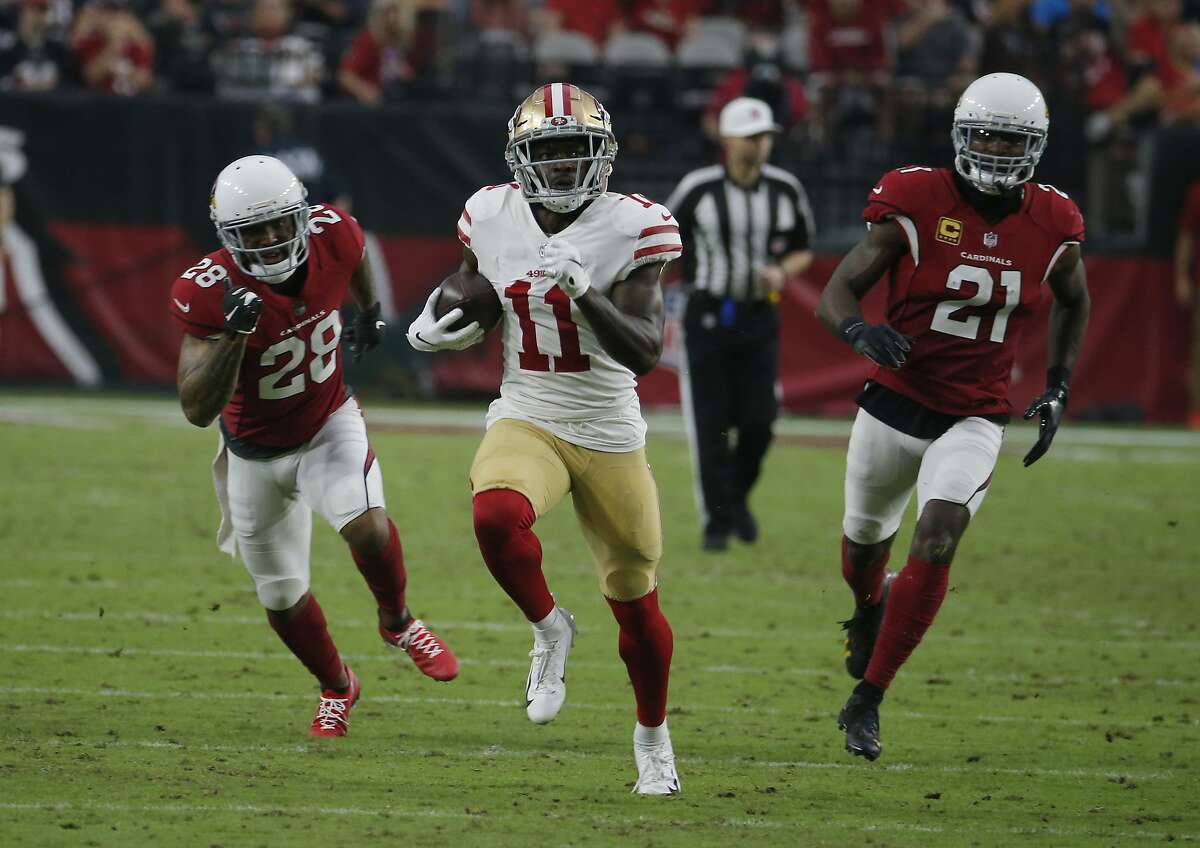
745	526
715	541
862	629
860	719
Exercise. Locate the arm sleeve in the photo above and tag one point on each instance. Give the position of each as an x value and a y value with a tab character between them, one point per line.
197	309
896	193
655	237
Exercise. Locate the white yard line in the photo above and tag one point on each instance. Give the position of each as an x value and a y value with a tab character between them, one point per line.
499	752
519	661
176	695
425	812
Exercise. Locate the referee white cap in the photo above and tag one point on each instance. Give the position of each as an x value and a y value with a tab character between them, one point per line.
746	116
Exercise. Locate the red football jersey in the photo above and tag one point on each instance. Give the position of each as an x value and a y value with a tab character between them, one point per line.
966	289
291	375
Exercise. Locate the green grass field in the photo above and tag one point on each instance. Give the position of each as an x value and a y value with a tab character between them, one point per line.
146	702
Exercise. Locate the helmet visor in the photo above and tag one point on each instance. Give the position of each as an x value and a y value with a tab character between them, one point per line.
268	246
997	156
561	169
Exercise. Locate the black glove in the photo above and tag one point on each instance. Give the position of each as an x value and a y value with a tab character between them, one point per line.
365	333
242	308
1050	404
877	342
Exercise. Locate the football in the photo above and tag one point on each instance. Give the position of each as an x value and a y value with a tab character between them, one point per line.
473	293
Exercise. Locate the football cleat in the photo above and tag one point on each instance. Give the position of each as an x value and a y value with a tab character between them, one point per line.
656	767
860	719
862	629
546	686
745	526
333	712
430	654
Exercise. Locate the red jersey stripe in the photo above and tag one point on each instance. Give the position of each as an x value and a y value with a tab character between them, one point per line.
467	215
662	228
463	237
662	248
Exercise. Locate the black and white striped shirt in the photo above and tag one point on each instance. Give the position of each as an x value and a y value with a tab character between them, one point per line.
730	232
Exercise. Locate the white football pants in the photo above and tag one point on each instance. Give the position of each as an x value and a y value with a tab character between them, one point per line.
883	466
267	505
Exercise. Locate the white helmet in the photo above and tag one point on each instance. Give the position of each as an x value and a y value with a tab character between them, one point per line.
1005	103
252	191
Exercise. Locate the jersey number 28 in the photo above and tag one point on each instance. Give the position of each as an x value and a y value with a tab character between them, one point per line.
944	320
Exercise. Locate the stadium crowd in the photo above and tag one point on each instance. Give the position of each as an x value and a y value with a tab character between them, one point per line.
838	59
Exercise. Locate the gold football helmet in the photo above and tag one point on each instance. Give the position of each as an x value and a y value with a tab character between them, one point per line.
561	147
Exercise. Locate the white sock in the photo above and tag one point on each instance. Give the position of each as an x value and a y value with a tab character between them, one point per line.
643	735
546	625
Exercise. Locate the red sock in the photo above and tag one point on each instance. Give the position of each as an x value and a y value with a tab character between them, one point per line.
913	601
867	583
511	550
645	644
385	573
307	636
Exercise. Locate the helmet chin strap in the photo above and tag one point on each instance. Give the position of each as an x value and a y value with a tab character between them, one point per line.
263	272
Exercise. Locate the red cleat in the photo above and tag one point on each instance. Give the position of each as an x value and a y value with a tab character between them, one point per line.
333	712
426	649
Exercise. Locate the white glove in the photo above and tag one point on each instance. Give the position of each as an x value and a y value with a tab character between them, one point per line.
561	261
428	333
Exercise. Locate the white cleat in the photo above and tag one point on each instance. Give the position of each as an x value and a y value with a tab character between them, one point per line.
546	686
655	762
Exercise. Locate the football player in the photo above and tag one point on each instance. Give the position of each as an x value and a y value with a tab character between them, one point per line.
260	350
577	269
966	253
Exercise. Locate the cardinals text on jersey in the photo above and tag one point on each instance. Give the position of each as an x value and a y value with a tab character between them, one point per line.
290	380
966	289
556	374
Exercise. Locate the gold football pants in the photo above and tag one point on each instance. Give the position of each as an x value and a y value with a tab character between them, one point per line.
615	497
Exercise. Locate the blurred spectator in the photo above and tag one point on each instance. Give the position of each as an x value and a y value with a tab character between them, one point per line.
1187	273
271	61
848	60
183	45
937	55
668	19
597	19
31	59
499	15
1171	90
1146	46
377	61
275	134
114	52
1011	42
763	77
1089	68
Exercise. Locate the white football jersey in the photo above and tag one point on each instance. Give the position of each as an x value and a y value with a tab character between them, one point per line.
556	374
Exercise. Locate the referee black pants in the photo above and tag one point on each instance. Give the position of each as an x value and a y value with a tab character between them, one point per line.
732	362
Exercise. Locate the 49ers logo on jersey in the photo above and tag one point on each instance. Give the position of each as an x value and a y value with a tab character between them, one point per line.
949	230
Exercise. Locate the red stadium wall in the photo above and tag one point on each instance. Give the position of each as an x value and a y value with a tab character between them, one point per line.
120	277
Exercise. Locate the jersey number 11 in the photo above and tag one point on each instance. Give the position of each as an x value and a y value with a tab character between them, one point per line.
573	359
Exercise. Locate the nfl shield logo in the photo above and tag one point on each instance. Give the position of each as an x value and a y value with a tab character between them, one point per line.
991	239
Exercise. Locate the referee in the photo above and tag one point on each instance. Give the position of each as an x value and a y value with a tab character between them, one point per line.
746	228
